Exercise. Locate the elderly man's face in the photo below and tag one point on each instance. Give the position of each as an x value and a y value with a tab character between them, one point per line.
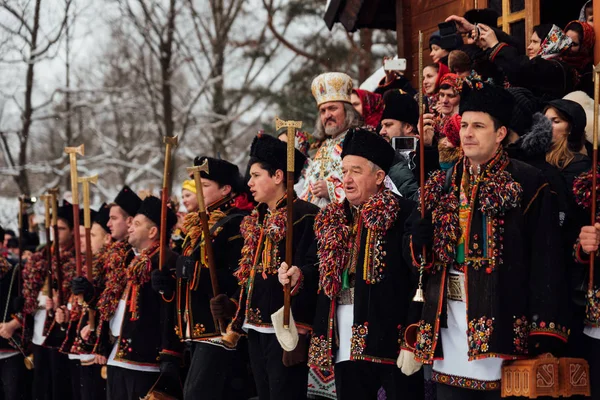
361	179
333	116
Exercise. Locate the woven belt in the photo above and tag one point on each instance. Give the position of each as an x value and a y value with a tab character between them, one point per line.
456	288
346	297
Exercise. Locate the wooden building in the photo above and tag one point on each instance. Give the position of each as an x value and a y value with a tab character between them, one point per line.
407	17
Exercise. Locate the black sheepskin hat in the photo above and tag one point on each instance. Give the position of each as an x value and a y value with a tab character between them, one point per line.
82	216
526	104
128	200
221	171
484	97
151	209
401	107
102	216
273	152
370	145
65	212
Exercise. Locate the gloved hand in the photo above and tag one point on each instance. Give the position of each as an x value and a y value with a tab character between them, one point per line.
80	285
297	356
18	304
222	307
407	363
185	267
422	233
169	366
163	282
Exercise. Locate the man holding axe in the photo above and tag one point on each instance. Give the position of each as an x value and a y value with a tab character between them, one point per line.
214	368
278	374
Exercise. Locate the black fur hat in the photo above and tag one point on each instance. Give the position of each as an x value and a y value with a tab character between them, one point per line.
273	152
128	200
487	98
102	216
82	216
370	145
151	209
221	171
401	107
65	212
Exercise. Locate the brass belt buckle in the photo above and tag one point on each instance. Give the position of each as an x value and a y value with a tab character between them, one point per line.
456	288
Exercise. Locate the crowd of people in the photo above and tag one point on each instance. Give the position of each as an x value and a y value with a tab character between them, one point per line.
387	300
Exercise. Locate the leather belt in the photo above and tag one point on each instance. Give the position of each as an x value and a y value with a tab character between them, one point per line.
346	297
456	288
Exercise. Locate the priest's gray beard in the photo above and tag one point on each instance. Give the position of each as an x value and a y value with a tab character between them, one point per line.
352	120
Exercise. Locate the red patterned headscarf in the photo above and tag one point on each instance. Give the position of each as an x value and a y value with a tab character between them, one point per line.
453	80
584	56
372	106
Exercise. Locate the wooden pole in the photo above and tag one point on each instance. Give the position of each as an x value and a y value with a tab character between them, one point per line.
164	197
72	152
594	168
289	238
203	214
57	273
596	10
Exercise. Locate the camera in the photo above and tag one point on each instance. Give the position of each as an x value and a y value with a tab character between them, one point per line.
404	143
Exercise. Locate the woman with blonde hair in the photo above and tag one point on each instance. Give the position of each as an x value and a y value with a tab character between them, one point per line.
568	153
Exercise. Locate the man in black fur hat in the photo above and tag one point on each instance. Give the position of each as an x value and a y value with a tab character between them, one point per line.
111	287
38	304
278	374
495	231
147	345
216	372
365	285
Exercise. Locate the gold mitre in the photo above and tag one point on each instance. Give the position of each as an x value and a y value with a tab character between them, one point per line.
332	86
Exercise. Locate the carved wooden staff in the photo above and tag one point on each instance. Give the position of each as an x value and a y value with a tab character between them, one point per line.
202	213
419	297
164	197
87	224
47	199
594	171
291	141
56	274
72	152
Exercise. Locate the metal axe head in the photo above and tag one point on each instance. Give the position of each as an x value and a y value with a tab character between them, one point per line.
199	168
170	140
279	124
88	179
75	150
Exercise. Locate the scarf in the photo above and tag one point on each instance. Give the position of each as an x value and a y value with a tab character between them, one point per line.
584	57
333	233
114	268
372	106
554	44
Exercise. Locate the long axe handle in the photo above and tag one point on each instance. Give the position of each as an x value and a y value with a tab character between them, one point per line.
72	152
164	198
208	249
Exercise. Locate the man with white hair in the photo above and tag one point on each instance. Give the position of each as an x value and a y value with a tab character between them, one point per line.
323	183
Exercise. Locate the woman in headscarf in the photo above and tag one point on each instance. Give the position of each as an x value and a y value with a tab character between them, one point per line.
369	105
587	13
432	77
547	41
581	54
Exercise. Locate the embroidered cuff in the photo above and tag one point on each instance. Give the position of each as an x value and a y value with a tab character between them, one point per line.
580	256
416	263
299	284
384	85
331	192
496	50
169	353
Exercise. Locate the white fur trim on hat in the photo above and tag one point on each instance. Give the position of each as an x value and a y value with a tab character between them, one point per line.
332	86
587	103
